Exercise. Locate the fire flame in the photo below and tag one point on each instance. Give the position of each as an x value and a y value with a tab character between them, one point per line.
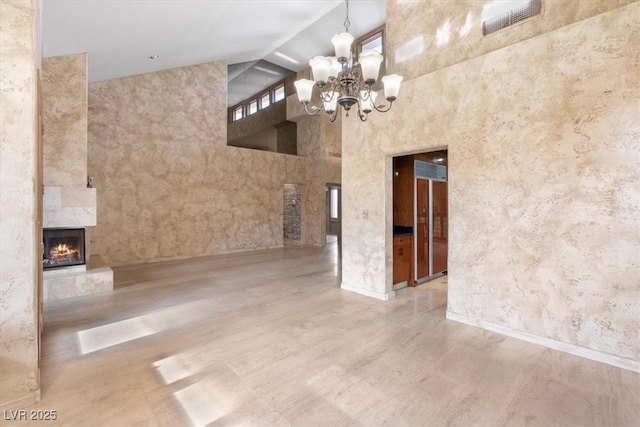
62	253
62	248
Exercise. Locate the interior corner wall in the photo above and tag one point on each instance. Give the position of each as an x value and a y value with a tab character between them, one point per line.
19	162
168	185
314	134
288	138
64	100
544	195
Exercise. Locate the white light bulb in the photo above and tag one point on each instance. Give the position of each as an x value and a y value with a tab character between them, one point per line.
304	89
391	86
342	43
370	61
320	67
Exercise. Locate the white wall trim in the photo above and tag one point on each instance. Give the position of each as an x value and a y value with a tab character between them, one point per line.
368	292
587	353
238	251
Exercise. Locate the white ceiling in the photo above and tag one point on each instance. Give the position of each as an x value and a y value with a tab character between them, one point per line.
120	36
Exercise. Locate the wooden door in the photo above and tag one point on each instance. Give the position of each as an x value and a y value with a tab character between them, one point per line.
421	235
439	230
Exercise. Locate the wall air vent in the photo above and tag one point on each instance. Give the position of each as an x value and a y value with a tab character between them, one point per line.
515	15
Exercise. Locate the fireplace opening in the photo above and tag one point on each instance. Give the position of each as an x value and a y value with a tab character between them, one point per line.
63	247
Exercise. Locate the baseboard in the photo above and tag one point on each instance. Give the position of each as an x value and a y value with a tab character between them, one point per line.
400	285
183	257
587	353
368	292
21	402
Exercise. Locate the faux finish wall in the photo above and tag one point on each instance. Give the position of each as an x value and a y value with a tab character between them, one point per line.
422	37
262	119
169	186
315	134
19	157
64	89
544	166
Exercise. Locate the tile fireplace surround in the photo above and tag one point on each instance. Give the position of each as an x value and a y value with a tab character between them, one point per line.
73	207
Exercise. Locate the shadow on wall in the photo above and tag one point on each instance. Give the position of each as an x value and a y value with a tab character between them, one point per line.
281	138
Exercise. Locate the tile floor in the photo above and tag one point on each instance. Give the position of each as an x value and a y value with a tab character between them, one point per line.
269	339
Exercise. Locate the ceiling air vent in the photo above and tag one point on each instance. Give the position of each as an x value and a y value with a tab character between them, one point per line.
515	15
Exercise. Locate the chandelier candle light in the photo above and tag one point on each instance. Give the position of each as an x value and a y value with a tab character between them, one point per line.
346	82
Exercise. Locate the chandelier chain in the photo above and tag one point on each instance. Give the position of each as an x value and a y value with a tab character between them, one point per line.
347	23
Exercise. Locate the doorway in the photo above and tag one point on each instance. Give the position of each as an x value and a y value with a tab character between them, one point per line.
292	213
333	213
420	218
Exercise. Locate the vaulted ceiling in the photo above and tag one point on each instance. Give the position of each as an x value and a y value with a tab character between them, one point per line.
262	40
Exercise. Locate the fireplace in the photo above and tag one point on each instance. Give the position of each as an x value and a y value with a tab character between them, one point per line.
63	247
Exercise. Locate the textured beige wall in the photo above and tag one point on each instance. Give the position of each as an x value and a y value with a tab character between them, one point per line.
323	137
169	186
64	110
288	138
544	170
314	135
333	143
424	36
269	117
266	139
19	261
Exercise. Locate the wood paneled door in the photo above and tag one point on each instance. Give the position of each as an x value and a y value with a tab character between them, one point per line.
422	228
439	227
431	230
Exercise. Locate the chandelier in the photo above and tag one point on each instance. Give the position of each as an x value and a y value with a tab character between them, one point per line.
346	80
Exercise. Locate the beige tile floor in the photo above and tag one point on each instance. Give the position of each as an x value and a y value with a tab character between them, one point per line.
269	339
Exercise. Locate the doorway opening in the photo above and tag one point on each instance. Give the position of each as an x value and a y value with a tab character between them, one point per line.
420	218
333	214
292	213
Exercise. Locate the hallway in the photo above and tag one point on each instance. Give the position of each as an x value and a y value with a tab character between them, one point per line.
268	338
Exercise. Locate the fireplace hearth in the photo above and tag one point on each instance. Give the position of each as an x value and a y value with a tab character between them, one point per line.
63	247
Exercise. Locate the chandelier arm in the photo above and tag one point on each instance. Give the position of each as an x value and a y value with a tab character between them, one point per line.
333	116
383	108
362	116
324	96
353	69
336	82
314	109
356	72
